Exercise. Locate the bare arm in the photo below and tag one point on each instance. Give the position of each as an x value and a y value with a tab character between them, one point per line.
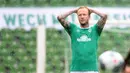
62	18
101	22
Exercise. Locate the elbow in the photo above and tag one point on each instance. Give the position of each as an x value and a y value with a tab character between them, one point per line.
104	16
59	17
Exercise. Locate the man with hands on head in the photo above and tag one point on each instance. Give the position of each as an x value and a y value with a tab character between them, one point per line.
84	39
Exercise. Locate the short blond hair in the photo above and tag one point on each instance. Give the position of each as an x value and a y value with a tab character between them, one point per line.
81	7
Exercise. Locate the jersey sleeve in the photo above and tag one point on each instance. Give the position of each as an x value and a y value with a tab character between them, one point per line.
98	29
70	28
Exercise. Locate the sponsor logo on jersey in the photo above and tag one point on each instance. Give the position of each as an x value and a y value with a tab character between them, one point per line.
90	30
83	38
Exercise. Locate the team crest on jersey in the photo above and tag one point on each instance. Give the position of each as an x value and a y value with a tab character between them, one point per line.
83	38
90	30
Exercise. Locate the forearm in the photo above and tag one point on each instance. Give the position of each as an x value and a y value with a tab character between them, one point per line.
101	22
63	16
102	15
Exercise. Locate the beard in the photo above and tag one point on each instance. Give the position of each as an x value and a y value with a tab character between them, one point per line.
85	23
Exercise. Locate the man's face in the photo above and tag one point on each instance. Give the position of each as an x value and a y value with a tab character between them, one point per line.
83	16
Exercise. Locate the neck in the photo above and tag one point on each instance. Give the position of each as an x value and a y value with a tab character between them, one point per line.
84	25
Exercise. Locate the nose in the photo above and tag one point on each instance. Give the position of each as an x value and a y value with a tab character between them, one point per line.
82	16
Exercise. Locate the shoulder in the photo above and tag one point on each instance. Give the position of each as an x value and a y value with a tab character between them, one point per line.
93	26
72	25
96	26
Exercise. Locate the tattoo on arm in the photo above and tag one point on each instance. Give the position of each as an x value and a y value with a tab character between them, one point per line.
63	22
101	22
62	18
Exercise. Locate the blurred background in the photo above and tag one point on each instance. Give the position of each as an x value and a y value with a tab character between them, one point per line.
18	32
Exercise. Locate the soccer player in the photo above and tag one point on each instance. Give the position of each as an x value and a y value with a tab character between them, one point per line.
83	39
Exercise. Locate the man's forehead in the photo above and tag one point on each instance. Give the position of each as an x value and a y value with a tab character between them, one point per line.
83	9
